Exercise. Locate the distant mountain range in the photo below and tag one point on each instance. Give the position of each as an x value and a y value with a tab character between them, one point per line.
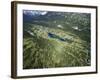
29	16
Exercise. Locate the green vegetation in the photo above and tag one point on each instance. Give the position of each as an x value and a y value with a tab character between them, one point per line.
42	51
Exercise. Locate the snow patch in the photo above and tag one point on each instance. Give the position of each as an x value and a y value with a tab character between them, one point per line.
60	26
